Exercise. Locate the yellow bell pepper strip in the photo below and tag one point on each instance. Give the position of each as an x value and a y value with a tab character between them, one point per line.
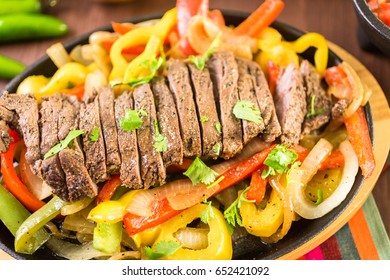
219	240
32	84
281	54
262	222
13	214
107	237
35	222
136	37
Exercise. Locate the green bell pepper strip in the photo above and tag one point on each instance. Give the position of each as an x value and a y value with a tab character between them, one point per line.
13	214
20	6
22	26
9	68
107	237
35	222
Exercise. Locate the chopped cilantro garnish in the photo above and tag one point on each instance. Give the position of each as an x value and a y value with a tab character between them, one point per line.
204	119
232	213
142	112
200	61
131	120
200	172
313	112
160	140
217	149
320	197
94	136
208	213
246	110
161	249
218	127
278	160
74	133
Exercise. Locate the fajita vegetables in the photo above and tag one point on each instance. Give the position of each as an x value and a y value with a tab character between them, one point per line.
178	137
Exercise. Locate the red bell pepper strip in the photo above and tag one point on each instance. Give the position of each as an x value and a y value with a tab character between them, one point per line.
217	17
359	136
108	189
123	28
261	18
77	91
12	182
273	74
177	168
257	187
186	9
135	50
162	211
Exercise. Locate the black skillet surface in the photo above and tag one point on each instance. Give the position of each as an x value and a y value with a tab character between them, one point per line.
249	248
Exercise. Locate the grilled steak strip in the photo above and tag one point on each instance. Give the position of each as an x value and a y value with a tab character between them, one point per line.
78	180
265	101
224	74
95	155
54	176
26	107
290	103
107	119
5	139
206	108
68	117
179	83
127	142
246	91
168	122
152	167
322	103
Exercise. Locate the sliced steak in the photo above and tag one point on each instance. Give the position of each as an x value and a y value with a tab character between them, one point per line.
224	75
68	117
246	91
127	141
95	155
207	111
26	107
266	103
54	176
78	180
179	83
318	103
168	122
151	164
6	115
290	103
339	108
5	138
107	119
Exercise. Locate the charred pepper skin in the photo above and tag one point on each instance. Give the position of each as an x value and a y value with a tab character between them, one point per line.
9	68
20	6
22	26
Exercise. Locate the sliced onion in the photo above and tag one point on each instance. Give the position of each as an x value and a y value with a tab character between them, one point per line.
77	222
128	255
142	202
357	89
197	34
304	206
76	206
58	54
193	238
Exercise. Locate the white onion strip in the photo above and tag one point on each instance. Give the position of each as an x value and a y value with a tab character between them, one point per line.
357	89
306	208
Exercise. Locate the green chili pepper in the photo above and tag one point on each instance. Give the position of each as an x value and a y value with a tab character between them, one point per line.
21	26
13	214
10	68
107	237
19	6
35	223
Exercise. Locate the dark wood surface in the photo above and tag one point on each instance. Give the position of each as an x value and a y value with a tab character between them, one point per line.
335	19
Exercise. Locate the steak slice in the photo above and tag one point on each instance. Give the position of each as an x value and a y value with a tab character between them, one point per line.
265	101
26	107
5	138
246	91
290	103
179	83
54	176
78	180
316	99
68	117
127	142
207	111
95	155
107	119
168	122
224	75
151	164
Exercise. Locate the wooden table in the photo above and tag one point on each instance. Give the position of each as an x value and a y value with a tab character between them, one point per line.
335	19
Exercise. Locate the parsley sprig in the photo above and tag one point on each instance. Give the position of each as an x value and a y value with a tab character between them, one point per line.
313	111
208	213
73	134
132	119
161	249
94	136
246	110
279	160
160	140
200	172
232	213
200	61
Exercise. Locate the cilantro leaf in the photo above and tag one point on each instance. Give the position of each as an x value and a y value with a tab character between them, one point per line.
204	119
313	112
217	149
200	172
246	110
218	127
232	213
131	120
94	136
207	214
200	61
161	249
278	160
160	140
74	133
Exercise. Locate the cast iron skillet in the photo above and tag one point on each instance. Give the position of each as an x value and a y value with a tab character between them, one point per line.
248	248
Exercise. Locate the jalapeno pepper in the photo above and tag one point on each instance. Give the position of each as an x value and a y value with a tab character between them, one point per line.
10	68
20	6
24	26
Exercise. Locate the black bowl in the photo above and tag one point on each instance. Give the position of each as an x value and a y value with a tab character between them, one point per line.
251	247
373	28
